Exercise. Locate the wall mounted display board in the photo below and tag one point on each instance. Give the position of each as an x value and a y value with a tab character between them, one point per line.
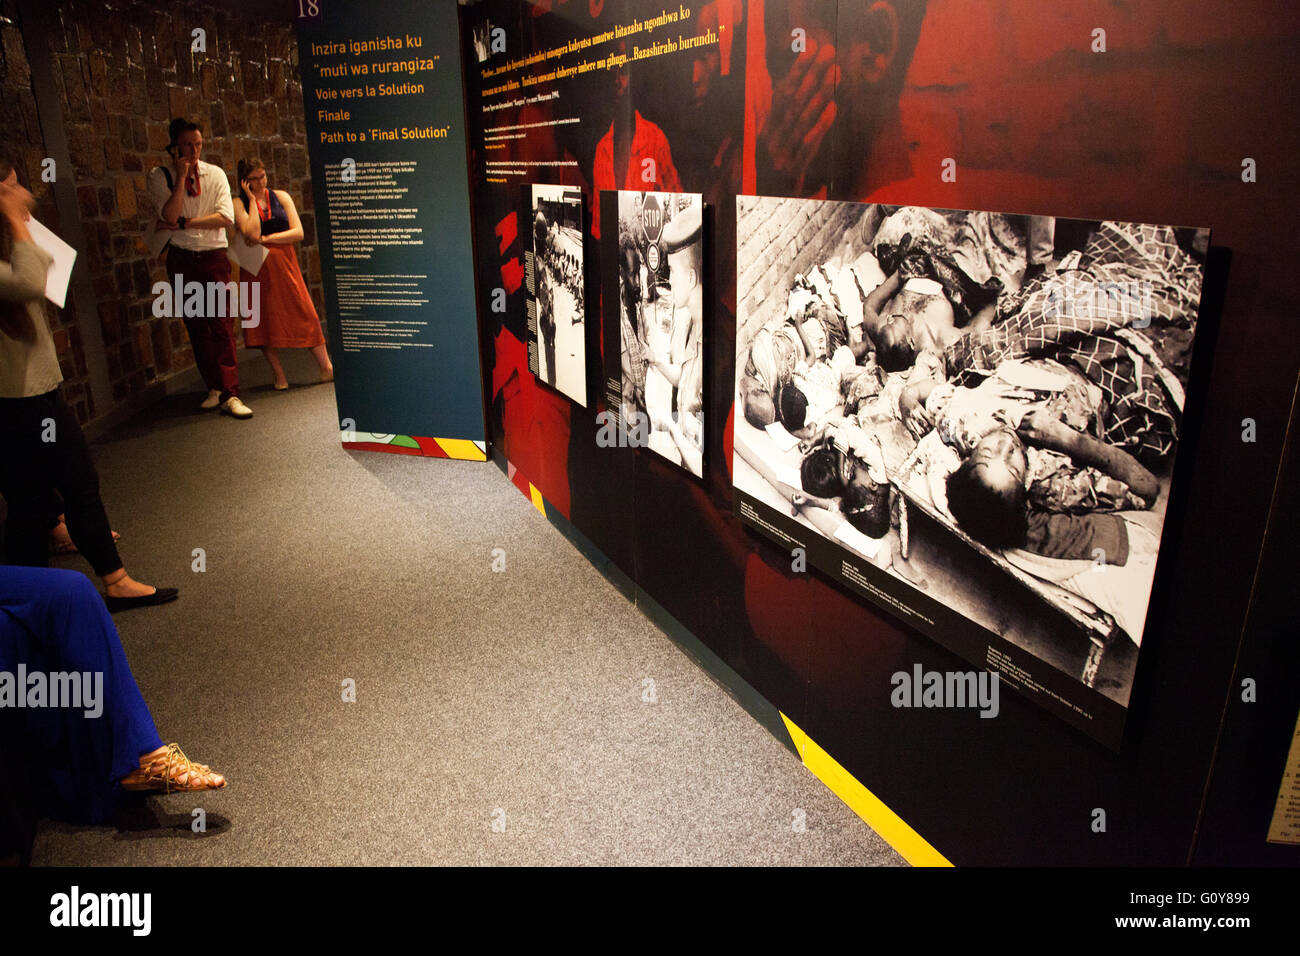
557	349
654	323
922	104
978	441
385	129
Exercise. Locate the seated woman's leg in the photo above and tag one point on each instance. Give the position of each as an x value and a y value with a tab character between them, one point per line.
54	621
74	475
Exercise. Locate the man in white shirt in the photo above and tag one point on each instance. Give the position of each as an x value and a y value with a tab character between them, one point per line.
194	207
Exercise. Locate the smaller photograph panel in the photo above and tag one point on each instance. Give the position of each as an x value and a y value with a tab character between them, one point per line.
660	255
557	348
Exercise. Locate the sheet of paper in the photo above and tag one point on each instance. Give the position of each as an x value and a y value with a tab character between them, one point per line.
156	240
790	476
248	257
859	542
783	440
60	274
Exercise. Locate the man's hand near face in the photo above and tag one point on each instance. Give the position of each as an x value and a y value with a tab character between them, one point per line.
803	112
171	210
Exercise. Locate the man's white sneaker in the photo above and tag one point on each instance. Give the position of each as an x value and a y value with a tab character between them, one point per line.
212	401
233	406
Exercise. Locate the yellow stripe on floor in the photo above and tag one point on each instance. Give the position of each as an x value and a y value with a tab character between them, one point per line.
909	844
538	501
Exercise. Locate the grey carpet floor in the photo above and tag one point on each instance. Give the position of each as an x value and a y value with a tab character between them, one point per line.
499	717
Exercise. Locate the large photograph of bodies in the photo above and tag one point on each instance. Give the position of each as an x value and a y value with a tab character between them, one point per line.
972	402
661	320
558	290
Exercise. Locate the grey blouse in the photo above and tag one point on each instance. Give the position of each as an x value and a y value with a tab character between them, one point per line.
27	368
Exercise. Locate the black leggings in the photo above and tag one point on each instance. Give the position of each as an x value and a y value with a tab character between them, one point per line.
32	468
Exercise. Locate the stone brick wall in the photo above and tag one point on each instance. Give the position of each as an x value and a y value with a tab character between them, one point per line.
782	238
123	69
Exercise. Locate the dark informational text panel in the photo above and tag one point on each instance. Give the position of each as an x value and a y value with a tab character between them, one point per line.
385	114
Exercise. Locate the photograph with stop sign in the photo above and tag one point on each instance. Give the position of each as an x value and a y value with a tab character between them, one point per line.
660	256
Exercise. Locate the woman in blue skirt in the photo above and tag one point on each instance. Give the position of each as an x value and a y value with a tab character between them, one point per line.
64	675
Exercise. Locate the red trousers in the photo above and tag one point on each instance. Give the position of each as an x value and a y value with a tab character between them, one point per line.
213	337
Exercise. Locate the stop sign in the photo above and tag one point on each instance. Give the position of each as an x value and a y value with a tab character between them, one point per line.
652	218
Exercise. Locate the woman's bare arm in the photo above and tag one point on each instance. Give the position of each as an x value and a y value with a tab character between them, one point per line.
247	222
294	232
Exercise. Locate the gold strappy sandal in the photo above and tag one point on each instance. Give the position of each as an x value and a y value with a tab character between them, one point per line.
167	771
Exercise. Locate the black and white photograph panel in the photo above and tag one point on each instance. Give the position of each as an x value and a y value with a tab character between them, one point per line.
558	294
661	319
982	409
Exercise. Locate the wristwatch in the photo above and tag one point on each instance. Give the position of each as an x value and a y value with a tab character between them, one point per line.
180	222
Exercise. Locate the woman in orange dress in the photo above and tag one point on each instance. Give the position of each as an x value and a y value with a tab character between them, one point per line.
287	317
